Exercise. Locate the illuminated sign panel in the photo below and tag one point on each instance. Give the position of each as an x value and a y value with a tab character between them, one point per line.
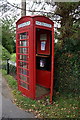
43	24
24	24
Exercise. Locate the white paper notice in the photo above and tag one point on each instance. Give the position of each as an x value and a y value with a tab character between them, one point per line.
41	63
43	45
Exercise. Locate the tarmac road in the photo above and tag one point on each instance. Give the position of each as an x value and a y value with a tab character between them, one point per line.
9	109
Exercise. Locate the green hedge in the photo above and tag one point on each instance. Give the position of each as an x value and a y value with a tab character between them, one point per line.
67	73
4	54
13	57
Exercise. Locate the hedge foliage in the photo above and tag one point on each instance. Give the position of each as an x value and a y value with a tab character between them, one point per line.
13	57
4	54
67	73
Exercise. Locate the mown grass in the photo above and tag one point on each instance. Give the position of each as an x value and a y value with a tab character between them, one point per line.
64	106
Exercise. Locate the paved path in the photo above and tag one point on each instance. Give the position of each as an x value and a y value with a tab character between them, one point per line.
9	109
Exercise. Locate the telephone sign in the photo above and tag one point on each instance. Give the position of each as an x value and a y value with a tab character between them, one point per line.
35	56
24	24
43	24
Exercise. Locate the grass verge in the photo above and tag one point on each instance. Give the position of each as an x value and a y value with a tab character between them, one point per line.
64	106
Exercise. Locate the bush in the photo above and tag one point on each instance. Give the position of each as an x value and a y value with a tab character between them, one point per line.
11	81
67	73
5	54
13	57
12	69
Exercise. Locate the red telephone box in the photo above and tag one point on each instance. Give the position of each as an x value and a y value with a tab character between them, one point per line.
35	55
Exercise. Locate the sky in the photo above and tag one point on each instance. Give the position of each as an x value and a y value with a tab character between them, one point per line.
48	8
8	12
18	1
30	3
35	7
14	1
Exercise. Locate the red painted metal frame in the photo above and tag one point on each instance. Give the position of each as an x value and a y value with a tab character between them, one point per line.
52	68
52	56
23	90
43	78
31	29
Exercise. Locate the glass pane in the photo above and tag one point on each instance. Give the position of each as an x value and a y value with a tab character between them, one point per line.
23	50
26	79
23	78
24	72
23	43
23	57
24	65
24	85
23	35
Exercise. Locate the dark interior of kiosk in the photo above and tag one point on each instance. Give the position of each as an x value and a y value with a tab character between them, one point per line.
43	62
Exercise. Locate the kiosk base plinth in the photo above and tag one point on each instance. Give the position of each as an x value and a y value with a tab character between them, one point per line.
41	91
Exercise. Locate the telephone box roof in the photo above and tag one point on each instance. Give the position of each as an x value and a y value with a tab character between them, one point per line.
35	16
